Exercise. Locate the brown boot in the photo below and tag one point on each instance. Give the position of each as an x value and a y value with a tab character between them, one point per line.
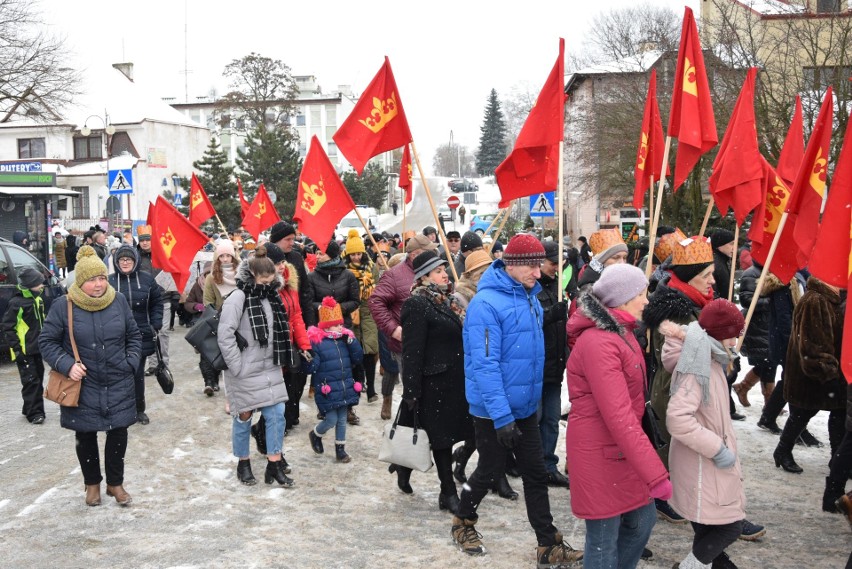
117	492
466	537
559	554
767	389
352	418
93	494
387	402
844	506
742	388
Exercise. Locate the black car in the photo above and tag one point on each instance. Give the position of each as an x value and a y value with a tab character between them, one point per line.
463	185
12	260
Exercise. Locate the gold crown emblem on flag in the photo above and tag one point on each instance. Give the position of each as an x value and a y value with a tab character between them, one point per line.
692	251
313	196
776	202
819	173
690	84
196	198
382	113
168	241
643	151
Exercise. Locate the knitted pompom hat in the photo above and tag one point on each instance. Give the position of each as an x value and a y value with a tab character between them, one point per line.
88	265
354	243
721	319
524	249
329	313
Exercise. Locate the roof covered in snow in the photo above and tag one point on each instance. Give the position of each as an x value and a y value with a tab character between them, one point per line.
772	7
634	64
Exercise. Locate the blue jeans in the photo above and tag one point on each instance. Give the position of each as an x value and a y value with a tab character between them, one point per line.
335	418
241	431
549	412
617	542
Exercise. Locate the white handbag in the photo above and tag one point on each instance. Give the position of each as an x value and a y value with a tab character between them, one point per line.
406	446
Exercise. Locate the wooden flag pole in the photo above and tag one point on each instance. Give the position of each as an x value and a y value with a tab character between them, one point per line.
225	229
706	217
649	260
403	211
493	221
372	239
434	210
652	239
502	225
561	215
762	278
733	262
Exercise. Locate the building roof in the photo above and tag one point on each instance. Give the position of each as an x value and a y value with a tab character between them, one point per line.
772	7
639	63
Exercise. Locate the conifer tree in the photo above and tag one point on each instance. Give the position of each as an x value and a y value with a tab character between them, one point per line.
271	157
370	188
492	141
217	178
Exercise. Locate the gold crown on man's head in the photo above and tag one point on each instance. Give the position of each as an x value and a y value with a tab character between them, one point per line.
692	251
604	239
143	230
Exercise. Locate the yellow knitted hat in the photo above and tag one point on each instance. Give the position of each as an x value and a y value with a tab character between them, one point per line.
354	243
88	265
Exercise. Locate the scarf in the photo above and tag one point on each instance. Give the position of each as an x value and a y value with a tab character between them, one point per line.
699	350
364	274
282	350
229	280
90	303
330	263
689	291
438	295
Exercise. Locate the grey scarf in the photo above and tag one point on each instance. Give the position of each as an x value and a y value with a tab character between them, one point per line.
698	351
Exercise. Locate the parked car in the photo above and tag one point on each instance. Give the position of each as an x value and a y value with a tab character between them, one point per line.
480	223
445	213
463	185
12	260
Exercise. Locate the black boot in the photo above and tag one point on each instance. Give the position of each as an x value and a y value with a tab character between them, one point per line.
208	389
275	472
502	488
403	477
244	473
449	502
783	454
340	452
460	456
832	492
316	441
258	431
722	561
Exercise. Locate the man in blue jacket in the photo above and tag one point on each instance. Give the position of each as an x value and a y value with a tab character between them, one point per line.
504	355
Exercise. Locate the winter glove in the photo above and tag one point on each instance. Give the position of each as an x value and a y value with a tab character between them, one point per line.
725	458
562	308
411	404
508	435
662	490
306	355
199	307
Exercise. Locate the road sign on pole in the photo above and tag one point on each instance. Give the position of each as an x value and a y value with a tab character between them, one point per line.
542	205
120	181
453	202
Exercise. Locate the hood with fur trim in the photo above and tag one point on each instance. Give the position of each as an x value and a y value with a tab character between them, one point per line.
591	313
291	277
668	304
244	274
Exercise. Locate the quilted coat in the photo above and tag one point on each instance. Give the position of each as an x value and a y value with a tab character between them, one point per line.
332	363
393	289
144	296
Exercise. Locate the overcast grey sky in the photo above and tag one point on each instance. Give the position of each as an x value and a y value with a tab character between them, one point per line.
446	55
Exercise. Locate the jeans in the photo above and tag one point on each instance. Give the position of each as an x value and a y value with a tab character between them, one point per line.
549	412
273	415
710	541
334	418
294	381
492	461
89	456
617	542
31	370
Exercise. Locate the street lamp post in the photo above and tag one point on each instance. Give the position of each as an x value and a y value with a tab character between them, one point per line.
109	130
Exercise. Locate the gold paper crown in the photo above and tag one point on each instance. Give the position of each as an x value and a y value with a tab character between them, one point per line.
381	114
143	230
604	239
692	251
666	243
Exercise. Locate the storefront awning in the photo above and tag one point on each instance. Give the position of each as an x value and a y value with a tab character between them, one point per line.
35	191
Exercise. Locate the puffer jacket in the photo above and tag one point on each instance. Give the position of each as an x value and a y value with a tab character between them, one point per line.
23	321
338	283
756	342
289	293
144	296
612	463
393	290
555	346
110	347
333	359
503	348
703	493
253	379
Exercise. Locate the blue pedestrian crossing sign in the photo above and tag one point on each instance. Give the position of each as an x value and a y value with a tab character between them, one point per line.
121	181
178	199
542	205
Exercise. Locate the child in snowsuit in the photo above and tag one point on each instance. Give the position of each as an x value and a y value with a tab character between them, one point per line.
335	351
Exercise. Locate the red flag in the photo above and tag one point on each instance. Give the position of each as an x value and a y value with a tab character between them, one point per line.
174	241
533	165
376	124
200	208
261	213
764	225
793	151
806	194
321	198
831	260
737	179
846	348
405	174
649	157
244	204
691	120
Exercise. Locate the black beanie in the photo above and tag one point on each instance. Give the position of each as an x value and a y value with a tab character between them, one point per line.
333	249
721	237
274	252
470	241
688	272
280	230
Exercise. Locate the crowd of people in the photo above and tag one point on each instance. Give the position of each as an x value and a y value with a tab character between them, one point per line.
481	351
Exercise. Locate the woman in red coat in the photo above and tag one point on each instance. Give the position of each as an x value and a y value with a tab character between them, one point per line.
615	471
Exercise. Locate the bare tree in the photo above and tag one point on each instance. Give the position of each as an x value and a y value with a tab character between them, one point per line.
261	88
35	80
627	32
448	158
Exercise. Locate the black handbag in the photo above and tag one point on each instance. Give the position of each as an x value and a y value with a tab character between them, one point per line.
203	336
649	424
164	376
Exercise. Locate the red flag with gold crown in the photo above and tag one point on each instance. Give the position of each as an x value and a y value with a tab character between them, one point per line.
174	241
261	213
376	124
200	208
405	174
764	226
321	197
649	157
244	203
807	193
790	159
691	119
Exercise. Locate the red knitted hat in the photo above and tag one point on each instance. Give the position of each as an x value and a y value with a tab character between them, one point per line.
329	313
524	249
721	319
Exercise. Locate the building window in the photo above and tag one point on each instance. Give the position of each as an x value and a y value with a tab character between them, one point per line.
88	147
300	120
316	116
331	116
329	132
332	150
819	78
80	204
828	6
31	148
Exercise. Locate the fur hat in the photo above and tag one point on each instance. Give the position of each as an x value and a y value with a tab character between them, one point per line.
426	262
30	278
470	241
721	319
524	249
354	243
88	265
606	243
419	242
721	237
329	313
274	252
280	230
225	247
143	232
618	284
475	260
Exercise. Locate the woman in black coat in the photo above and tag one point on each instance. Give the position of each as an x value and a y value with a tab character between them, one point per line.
433	371
109	345
756	342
